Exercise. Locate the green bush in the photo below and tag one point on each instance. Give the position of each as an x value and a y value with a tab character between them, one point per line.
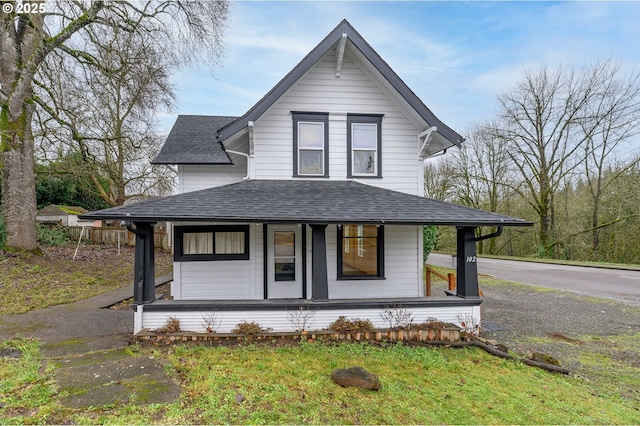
429	238
53	236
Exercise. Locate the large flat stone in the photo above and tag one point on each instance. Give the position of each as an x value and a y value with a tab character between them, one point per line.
114	378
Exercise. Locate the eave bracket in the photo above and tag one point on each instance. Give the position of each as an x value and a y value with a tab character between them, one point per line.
340	54
425	137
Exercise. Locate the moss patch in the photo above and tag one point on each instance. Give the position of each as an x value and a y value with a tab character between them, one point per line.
113	378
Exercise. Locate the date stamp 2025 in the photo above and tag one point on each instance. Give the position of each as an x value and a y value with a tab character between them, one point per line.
23	7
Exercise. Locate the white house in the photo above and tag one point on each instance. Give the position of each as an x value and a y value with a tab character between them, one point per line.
313	199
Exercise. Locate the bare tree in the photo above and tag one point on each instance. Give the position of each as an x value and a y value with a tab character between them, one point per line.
439	179
618	103
481	170
546	121
105	111
193	30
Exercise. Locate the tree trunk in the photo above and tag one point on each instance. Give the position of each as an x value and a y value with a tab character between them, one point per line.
18	182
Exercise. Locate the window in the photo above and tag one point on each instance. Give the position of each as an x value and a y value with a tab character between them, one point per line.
364	143
362	253
284	256
310	144
224	242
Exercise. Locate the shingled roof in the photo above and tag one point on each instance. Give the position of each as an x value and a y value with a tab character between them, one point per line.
192	140
304	201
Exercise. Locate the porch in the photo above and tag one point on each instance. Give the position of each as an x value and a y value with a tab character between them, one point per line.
333	221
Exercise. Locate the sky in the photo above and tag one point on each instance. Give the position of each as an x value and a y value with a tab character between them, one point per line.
456	56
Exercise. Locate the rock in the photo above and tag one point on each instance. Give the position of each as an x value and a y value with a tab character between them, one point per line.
502	348
544	358
239	397
356	377
10	353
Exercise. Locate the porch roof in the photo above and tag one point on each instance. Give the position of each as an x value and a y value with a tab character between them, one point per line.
304	201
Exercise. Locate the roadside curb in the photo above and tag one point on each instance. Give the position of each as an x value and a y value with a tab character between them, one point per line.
551	262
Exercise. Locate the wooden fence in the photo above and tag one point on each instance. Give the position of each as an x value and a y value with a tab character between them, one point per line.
113	235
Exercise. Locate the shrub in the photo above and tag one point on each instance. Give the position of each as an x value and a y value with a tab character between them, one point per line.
53	235
211	321
342	324
249	328
397	316
171	326
430	324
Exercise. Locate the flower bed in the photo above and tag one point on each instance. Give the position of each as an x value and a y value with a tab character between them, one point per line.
448	333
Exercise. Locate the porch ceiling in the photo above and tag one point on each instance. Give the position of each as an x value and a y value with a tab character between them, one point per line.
304	201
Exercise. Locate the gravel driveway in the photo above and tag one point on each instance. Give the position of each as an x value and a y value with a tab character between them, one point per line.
525	310
594	338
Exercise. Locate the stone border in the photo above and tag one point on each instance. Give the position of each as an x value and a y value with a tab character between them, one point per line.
450	333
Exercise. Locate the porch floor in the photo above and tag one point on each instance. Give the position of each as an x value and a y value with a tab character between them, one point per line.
333	304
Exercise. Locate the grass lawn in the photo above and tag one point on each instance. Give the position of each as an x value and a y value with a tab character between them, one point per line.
29	282
290	384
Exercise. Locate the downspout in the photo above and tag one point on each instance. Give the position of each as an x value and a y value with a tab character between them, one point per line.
248	161
492	235
251	150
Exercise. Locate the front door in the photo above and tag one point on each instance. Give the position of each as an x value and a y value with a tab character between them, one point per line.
284	267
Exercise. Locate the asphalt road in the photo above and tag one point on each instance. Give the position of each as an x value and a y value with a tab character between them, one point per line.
614	284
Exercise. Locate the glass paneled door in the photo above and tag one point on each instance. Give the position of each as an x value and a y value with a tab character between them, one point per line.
284	268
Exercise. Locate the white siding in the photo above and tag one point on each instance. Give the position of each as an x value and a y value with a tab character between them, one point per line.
320	91
216	280
222	280
402	277
279	320
196	177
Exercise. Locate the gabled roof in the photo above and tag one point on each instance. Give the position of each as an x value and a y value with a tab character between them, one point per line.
304	201
54	210
192	140
314	56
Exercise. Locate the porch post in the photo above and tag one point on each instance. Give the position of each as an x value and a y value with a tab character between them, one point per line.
138	268
149	266
144	285
319	282
467	267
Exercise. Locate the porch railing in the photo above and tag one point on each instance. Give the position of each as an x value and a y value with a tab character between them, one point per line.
450	279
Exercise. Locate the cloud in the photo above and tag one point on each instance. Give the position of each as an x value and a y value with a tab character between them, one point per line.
456	56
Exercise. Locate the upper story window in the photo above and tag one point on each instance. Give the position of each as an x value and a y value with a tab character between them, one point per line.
310	144
364	145
220	242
